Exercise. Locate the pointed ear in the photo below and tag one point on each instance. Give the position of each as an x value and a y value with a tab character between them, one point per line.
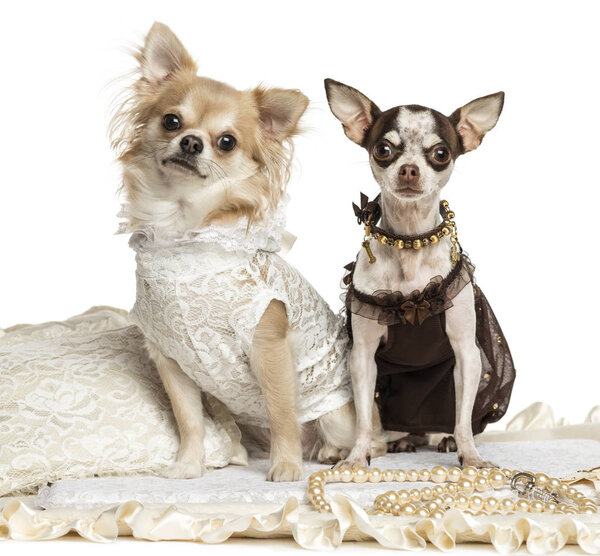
352	108
475	119
163	55
279	111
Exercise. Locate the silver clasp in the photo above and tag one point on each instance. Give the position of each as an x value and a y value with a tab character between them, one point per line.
524	484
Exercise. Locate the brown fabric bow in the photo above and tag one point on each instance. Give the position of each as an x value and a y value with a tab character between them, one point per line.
416	311
367	208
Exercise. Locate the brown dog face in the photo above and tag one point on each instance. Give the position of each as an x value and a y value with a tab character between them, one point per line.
190	140
411	148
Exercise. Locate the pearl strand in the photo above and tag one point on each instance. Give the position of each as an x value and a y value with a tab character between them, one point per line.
454	488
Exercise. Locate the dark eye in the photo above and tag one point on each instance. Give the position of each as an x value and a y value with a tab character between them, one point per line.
440	154
382	151
226	143
171	122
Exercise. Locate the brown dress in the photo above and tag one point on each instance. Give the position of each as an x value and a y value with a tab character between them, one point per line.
415	384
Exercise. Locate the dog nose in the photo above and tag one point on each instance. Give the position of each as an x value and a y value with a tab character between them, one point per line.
409	174
191	144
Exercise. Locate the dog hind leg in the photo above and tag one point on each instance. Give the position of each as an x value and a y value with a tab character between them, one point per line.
337	429
408	443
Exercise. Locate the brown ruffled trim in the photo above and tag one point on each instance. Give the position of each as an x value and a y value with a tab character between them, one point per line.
389	308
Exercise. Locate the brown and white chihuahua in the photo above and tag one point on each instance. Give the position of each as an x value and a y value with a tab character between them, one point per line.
196	151
412	150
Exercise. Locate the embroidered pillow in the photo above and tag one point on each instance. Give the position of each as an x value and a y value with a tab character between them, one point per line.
81	398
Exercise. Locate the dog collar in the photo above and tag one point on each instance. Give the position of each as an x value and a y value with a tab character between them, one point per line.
369	214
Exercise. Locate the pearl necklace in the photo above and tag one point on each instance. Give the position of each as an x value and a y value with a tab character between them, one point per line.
457	491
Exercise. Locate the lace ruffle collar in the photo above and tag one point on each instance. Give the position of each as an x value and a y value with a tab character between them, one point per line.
265	235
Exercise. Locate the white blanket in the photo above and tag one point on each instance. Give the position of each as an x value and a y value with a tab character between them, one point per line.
557	458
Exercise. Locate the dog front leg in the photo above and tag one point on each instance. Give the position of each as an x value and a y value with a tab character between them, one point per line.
271	361
461	328
366	334
186	400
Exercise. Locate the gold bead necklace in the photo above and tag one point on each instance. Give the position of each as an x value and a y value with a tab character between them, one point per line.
432	237
455	488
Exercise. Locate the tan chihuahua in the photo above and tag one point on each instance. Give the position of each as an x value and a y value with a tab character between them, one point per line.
197	156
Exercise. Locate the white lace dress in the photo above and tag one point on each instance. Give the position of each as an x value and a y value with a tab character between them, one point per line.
200	297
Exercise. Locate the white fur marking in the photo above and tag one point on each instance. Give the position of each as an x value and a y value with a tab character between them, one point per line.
393	137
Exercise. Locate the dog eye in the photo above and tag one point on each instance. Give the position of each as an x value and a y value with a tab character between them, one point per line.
440	154
226	143
171	122
382	151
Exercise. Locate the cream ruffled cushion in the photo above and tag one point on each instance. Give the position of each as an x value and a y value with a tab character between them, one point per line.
80	398
539	533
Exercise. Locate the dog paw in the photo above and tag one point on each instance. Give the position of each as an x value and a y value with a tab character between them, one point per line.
330	455
447	444
184	470
378	448
402	445
475	461
285	471
353	462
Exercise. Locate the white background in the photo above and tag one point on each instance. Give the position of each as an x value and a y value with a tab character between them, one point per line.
527	202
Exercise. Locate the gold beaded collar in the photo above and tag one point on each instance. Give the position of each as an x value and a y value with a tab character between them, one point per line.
369	213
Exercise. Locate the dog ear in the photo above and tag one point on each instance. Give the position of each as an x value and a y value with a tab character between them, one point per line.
356	112
475	119
279	110
163	55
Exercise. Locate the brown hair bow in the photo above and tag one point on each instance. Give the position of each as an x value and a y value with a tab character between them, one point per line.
367	208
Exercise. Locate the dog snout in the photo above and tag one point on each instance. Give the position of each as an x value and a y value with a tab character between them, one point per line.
191	144
409	175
